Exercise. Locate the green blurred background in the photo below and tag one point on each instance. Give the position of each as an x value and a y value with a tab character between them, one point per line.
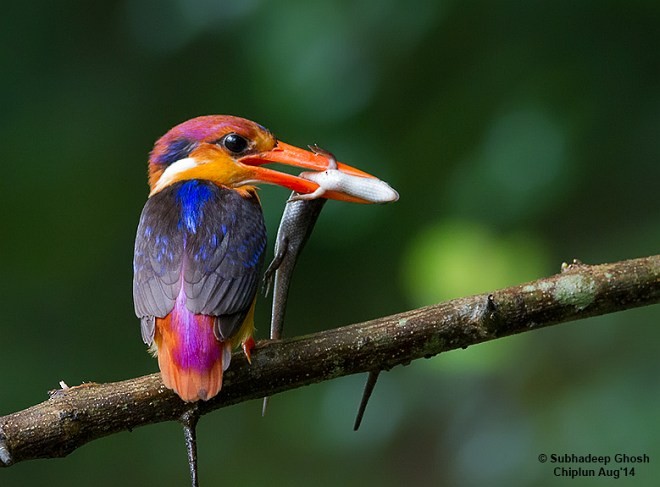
519	135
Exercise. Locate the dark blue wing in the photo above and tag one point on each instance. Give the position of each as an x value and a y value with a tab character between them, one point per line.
210	241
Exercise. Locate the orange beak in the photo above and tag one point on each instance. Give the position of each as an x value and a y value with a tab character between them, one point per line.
294	156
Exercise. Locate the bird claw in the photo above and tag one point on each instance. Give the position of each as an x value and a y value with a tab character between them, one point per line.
248	346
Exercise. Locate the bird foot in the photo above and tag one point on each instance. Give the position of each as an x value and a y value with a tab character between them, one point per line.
248	346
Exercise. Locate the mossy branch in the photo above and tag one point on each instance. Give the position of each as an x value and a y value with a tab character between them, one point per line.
74	416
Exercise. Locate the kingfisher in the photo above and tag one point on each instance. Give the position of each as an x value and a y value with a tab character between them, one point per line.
201	242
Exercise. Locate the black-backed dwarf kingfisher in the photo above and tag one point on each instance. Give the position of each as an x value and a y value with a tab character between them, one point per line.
201	241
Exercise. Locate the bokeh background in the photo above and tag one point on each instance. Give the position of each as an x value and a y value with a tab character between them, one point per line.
519	135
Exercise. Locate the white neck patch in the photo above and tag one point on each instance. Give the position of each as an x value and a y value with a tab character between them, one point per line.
172	170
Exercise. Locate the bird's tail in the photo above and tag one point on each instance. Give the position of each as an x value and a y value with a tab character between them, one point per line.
191	359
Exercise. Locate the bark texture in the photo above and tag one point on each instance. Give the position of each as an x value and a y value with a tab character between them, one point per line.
74	416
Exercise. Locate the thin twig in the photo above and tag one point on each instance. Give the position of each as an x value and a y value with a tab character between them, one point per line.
372	378
189	421
74	416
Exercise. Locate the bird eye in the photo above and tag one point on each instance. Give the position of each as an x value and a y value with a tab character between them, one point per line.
234	143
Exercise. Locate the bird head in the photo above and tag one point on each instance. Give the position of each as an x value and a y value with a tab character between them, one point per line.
231	151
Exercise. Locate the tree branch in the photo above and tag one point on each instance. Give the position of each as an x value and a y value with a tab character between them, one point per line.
74	416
